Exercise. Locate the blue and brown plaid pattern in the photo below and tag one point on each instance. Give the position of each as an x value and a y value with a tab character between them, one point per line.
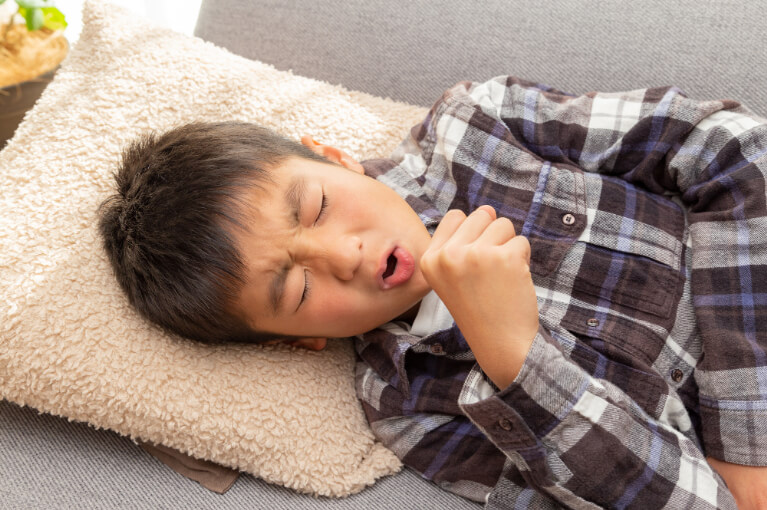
646	213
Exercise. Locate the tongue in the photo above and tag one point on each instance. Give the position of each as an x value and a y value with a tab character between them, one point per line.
391	263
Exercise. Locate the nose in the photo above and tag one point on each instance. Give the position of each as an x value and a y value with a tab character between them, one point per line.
341	255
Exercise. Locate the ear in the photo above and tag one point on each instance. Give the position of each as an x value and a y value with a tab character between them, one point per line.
313	344
333	154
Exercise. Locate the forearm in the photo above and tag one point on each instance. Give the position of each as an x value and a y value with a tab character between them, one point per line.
500	350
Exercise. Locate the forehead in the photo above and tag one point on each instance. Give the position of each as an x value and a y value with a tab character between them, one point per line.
268	217
265	215
264	197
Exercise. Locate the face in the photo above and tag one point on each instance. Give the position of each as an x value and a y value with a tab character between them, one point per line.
330	252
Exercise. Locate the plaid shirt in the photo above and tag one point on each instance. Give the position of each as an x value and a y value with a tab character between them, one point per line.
646	217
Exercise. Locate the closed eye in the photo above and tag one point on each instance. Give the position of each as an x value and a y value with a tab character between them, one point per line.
307	289
323	206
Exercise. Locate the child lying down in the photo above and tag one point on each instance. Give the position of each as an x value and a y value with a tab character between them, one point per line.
556	301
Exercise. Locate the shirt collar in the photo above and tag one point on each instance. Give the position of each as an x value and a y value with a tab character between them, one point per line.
385	350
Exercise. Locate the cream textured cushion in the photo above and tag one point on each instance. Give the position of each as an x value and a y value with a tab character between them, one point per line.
70	344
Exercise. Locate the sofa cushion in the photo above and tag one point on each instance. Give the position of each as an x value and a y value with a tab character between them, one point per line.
412	51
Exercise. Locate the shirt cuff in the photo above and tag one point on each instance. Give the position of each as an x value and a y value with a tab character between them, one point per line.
546	389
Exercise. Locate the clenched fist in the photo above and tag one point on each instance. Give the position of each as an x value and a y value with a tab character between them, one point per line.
480	269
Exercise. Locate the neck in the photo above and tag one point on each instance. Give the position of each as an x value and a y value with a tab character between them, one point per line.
409	315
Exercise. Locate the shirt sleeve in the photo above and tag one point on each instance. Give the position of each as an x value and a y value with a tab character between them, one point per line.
575	426
581	441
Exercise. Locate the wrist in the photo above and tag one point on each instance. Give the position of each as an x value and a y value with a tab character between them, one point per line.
503	363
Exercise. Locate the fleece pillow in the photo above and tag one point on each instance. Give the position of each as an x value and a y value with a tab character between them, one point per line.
70	344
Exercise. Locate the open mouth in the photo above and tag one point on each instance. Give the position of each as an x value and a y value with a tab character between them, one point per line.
400	267
391	264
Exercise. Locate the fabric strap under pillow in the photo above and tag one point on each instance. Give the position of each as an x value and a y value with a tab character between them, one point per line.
69	343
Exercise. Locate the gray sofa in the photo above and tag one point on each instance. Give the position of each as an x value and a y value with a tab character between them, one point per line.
410	51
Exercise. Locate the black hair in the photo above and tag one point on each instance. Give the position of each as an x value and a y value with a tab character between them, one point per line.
168	229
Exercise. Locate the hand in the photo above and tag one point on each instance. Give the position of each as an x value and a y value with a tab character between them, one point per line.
480	269
748	484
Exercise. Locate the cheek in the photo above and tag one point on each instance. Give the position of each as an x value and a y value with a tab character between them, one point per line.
342	306
338	301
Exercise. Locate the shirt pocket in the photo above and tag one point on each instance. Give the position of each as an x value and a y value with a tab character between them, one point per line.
626	270
630	374
632	248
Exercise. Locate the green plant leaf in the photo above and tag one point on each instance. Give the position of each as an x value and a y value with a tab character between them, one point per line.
34	4
54	19
48	17
34	17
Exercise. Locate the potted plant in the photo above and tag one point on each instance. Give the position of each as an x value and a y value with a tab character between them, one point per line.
32	46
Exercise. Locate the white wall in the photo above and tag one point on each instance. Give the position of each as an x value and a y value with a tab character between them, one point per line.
180	15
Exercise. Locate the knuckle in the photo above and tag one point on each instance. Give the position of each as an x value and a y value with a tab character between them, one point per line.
450	256
427	261
474	254
523	243
519	249
503	220
528	250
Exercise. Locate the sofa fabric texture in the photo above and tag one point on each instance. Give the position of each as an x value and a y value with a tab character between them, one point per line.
50	463
412	51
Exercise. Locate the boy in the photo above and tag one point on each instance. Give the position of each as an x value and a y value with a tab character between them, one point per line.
557	299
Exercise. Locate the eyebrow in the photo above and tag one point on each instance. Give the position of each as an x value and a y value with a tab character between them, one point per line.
294	198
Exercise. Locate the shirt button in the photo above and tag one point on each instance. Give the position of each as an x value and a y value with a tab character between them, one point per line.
677	375
504	424
592	323
568	219
436	348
